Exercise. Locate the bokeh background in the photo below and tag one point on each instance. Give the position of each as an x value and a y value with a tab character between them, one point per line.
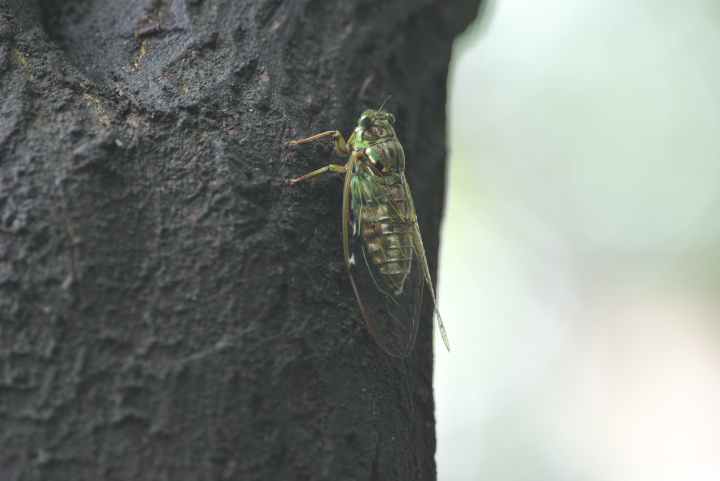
580	263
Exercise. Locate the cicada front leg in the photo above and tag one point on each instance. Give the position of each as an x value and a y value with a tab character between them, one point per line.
340	144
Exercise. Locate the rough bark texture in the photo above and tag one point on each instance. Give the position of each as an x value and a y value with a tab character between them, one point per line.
169	309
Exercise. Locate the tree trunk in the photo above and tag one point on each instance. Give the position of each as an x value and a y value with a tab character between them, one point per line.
169	308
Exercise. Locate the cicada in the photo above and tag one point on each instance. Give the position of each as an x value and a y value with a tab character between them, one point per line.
384	253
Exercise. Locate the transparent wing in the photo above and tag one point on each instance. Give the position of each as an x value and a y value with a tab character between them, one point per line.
423	266
382	260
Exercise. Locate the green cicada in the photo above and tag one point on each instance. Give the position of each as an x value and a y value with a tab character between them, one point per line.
384	252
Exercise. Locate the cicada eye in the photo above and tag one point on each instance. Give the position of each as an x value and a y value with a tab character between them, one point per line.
365	120
390	117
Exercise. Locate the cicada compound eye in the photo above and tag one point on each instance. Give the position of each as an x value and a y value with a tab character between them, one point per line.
390	118
365	120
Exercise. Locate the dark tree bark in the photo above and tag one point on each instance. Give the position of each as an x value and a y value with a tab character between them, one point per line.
169	309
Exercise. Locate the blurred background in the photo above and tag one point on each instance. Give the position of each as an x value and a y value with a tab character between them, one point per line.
580	265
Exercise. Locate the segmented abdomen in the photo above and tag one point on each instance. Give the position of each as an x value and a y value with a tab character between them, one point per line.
386	227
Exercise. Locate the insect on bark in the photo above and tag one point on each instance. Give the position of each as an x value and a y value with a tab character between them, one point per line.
384	252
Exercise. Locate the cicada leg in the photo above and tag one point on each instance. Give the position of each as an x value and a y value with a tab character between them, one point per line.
340	148
334	168
340	144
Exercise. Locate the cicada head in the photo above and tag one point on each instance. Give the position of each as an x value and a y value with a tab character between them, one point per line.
374	126
376	117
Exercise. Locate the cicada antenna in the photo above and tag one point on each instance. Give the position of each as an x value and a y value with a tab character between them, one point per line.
383	104
351	100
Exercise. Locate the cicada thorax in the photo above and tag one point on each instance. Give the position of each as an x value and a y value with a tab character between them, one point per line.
383	148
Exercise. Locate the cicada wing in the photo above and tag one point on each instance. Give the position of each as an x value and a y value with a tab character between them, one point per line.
384	268
391	317
423	267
